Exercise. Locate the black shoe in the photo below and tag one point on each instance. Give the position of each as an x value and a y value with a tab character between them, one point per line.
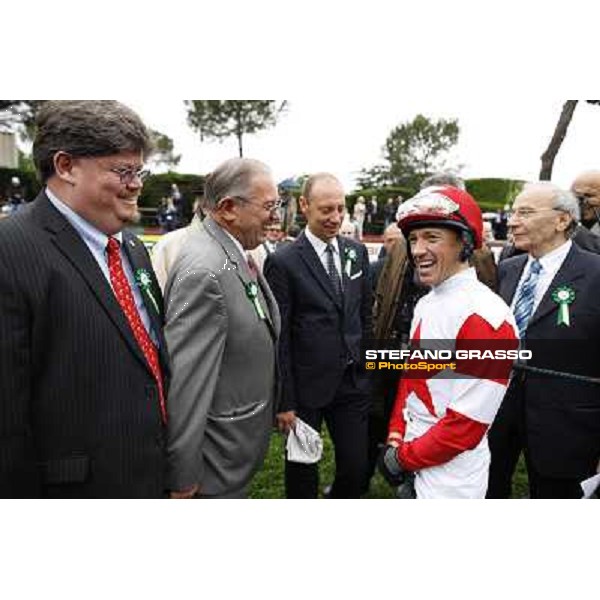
327	492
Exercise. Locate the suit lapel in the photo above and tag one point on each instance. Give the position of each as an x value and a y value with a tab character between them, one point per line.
567	274
74	249
343	246
508	285
315	266
240	264
136	255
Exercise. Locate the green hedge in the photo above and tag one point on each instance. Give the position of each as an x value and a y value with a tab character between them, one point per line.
158	186
491	193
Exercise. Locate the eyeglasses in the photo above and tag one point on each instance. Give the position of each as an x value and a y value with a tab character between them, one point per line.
526	213
128	176
269	207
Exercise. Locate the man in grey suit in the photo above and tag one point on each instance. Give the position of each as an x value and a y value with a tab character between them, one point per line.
222	327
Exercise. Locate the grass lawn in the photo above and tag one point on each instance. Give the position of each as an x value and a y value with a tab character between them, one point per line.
268	482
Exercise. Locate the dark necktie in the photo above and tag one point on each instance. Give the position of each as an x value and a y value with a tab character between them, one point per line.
332	272
526	298
125	298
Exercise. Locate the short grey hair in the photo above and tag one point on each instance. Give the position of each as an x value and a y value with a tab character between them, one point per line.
232	178
443	178
562	200
86	128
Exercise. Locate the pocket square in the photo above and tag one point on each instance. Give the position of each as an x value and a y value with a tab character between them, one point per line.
356	275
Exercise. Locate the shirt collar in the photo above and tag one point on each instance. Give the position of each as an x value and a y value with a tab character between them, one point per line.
553	259
456	280
239	246
319	245
86	230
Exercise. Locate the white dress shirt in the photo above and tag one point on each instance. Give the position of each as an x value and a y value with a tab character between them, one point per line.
551	263
320	248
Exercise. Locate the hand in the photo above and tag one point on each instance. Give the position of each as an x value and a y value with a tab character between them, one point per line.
286	421
186	493
390	467
394	439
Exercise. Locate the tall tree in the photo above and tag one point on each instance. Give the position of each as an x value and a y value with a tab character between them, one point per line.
558	137
412	151
220	119
164	153
416	149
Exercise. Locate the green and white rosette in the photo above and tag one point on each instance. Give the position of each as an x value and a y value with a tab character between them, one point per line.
563	296
252	293
350	256
144	282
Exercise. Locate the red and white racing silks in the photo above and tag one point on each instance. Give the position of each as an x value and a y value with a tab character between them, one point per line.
443	416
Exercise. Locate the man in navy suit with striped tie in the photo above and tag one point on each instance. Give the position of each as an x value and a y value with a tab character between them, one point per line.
322	286
551	411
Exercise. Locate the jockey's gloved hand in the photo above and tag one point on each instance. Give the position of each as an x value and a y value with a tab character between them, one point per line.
390	467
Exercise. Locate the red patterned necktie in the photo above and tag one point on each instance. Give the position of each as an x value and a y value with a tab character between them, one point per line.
125	298
252	266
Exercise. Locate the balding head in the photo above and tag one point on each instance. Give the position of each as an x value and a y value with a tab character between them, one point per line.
391	235
587	189
323	203
543	218
318	182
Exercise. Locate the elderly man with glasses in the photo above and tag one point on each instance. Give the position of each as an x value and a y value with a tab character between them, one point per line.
552	409
221	329
83	363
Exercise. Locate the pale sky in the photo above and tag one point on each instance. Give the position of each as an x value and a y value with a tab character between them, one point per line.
498	138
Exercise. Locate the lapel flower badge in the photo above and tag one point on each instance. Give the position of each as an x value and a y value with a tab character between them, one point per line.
252	293
144	281
350	256
563	296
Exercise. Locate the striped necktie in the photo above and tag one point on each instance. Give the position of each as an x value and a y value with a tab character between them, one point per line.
526	298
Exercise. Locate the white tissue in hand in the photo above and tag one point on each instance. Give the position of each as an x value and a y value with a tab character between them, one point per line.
304	444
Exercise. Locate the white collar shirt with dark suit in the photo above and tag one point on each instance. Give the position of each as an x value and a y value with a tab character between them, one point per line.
80	413
320	332
320	352
561	415
96	242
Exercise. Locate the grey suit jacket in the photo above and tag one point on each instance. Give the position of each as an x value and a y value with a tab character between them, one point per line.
223	358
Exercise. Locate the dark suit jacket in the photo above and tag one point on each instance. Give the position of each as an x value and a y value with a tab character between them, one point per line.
319	334
79	413
562	415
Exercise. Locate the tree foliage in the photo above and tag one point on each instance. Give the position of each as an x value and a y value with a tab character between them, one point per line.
164	153
18	116
412	151
417	148
220	119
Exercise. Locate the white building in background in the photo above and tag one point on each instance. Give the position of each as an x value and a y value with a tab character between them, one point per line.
9	157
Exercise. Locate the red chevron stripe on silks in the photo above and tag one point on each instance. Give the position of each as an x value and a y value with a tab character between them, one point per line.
477	334
450	436
454	432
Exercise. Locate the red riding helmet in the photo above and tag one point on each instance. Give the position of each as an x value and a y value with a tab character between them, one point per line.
444	206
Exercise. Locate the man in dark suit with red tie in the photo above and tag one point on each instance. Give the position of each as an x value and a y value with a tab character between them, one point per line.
82	357
322	286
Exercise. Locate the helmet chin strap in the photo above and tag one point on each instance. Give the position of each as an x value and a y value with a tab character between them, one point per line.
468	246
